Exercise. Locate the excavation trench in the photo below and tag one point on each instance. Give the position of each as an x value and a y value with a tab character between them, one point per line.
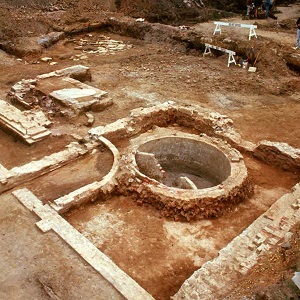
149	244
190	41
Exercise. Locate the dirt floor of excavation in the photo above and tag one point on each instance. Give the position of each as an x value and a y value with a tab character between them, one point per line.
72	176
259	103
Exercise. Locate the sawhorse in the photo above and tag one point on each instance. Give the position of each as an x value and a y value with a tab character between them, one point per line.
230	53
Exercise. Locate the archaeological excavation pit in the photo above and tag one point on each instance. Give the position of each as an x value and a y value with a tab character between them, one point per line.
143	246
169	202
186	175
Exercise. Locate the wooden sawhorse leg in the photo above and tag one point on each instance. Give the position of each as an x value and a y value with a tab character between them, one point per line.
217	29
231	59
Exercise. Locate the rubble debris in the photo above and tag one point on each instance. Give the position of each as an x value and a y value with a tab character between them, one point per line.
252	69
37	115
100	45
296	279
90	120
61	87
286	246
46	59
184	27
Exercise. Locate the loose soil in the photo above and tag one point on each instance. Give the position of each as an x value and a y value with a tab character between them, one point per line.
264	106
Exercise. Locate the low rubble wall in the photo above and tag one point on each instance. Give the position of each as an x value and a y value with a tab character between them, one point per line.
34	169
280	155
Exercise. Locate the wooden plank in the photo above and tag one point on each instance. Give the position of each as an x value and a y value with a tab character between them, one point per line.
235	24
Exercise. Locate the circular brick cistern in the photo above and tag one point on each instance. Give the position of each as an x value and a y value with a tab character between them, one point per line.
185	175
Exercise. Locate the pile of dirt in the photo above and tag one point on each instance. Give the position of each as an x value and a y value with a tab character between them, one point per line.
161	11
20	21
28	3
26	15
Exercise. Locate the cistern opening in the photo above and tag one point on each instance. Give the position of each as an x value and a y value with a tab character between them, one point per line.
183	163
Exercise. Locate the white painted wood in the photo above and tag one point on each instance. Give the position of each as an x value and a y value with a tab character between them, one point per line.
231	53
250	26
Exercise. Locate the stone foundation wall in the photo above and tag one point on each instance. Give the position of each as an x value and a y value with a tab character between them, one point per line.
98	190
280	155
34	169
205	121
143	119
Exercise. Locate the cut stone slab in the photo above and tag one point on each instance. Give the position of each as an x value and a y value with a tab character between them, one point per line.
78	96
24	126
75	93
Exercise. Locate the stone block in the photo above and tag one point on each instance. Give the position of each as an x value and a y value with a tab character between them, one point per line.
21	124
148	165
273	241
44	225
279	154
259	239
186	183
263	248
